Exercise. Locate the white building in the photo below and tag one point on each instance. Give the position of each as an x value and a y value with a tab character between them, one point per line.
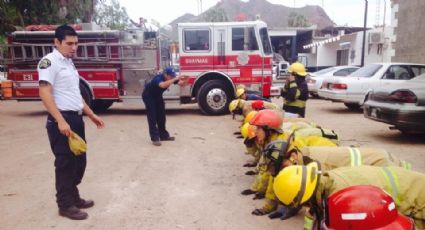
346	49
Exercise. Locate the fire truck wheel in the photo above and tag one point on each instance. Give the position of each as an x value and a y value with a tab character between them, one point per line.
86	94
102	105
214	97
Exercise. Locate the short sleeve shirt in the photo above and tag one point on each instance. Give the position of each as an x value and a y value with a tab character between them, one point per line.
61	73
153	88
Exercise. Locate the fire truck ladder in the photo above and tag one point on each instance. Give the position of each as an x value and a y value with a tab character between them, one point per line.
93	52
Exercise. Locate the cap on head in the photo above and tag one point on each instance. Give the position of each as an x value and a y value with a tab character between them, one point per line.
170	71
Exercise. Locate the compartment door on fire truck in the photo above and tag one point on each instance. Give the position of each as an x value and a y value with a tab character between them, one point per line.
245	64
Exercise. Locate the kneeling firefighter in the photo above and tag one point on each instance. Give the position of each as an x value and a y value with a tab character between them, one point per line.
308	185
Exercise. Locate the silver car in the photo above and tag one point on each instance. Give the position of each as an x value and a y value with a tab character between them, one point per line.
402	106
315	79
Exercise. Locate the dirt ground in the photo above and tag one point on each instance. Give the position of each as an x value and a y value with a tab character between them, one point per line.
191	183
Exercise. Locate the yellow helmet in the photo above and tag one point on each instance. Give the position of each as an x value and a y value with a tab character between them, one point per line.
297	68
236	104
244	130
239	92
295	184
249	116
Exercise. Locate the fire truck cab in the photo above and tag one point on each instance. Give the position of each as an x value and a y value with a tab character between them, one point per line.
219	56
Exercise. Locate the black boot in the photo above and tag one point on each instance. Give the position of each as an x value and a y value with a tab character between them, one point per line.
73	213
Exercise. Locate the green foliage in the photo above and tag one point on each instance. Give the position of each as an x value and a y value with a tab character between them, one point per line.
216	14
33	12
113	16
297	20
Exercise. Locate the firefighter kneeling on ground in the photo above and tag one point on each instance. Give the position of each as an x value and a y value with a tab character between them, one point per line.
308	185
252	148
329	157
242	107
265	129
363	206
268	123
241	93
296	90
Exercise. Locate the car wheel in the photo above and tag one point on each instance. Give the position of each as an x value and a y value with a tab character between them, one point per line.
352	106
214	97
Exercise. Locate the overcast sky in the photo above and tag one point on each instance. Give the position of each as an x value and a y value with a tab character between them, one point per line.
342	12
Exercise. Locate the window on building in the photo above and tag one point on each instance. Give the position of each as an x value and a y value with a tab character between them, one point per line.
342	57
244	39
195	40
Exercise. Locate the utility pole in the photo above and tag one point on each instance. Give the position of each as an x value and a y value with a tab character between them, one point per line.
364	34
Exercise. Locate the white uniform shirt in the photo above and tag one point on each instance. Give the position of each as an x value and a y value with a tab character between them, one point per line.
61	73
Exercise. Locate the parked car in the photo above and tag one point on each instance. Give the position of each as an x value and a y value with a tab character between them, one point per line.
402	106
315	79
353	89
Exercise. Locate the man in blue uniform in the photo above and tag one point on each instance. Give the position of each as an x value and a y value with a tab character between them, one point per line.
155	106
59	90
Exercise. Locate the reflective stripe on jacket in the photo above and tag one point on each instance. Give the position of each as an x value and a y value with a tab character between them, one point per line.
335	157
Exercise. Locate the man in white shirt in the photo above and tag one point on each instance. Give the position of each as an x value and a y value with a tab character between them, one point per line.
59	90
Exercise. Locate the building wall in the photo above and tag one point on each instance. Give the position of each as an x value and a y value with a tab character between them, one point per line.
326	54
408	19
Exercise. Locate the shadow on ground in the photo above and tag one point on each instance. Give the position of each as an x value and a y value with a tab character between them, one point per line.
397	137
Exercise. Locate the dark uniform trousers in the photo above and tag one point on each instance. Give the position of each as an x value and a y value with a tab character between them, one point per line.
155	108
69	169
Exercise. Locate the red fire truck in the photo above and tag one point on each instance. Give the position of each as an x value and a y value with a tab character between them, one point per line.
115	65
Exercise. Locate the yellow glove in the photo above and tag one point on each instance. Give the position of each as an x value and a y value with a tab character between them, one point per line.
77	145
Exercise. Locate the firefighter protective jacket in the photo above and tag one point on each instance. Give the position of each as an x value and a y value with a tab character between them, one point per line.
405	186
335	157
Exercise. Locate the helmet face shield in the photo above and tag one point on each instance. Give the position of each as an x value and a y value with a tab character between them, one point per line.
276	150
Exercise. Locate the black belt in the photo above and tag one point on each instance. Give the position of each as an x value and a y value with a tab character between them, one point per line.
71	112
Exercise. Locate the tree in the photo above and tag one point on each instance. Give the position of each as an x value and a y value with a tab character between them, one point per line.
216	14
297	20
113	16
20	13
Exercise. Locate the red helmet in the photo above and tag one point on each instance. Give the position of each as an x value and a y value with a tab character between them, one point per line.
364	207
257	104
267	118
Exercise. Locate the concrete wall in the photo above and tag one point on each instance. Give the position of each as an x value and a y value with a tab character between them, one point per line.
408	19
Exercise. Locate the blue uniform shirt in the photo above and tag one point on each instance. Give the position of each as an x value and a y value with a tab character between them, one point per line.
152	87
253	97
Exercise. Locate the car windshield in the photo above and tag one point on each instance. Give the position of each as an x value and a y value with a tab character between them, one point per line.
265	40
324	71
366	71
